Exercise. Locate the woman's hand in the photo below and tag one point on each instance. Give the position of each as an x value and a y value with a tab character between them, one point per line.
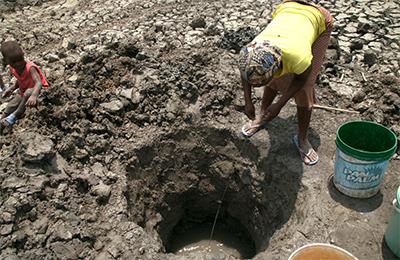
249	110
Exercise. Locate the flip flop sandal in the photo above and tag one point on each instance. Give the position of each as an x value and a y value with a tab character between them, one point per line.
247	129
303	154
4	123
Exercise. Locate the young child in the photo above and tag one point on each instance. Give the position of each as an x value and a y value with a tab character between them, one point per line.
30	81
286	57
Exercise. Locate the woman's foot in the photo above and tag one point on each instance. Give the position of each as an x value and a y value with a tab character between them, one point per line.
308	155
254	126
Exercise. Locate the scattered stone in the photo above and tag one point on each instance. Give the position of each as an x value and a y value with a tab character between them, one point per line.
68	44
137	97
73	79
127	93
363	27
356	45
331	55
64	251
359	96
61	233
113	106
52	57
35	147
370	58
6	229
102	192
198	22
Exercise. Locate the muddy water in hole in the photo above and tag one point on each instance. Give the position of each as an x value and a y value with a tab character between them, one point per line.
224	242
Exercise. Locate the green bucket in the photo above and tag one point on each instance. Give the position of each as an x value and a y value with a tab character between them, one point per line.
363	150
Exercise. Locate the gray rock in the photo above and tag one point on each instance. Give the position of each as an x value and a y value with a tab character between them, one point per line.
73	79
37	183
64	231
359	96
6	229
126	93
64	251
113	106
369	58
68	44
356	45
331	54
198	22
104	256
52	57
41	225
6	217
141	55
363	27
137	97
35	147
60	165
170	116
102	192
159	26
81	154
12	257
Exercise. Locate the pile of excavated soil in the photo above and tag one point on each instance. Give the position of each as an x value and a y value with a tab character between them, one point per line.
139	130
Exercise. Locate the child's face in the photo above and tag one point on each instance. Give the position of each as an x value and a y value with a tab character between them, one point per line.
19	65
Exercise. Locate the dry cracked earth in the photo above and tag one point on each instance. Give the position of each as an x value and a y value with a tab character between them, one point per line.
139	131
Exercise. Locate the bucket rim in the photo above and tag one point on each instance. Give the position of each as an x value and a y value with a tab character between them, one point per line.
361	154
321	244
398	196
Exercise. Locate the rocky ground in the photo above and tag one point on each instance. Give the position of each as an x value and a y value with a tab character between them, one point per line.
141	122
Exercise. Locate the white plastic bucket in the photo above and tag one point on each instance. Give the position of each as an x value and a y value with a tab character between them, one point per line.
363	151
317	251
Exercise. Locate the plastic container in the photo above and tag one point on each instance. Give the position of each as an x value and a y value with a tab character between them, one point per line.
363	150
318	251
392	234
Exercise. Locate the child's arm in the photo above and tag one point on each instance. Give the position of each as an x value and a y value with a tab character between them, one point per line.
10	90
36	90
2	87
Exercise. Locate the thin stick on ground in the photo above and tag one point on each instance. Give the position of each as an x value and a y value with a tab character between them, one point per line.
336	109
216	216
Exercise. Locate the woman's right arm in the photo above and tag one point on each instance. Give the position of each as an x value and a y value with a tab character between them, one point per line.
249	109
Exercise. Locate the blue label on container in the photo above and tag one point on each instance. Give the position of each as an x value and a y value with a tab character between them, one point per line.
358	176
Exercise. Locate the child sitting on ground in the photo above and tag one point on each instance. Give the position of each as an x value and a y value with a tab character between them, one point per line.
30	81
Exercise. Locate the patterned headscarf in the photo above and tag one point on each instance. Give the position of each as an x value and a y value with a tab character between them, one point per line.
259	59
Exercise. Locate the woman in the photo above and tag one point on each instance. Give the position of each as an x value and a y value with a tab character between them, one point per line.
286	57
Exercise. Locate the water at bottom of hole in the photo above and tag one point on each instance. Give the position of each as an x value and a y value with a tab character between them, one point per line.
224	242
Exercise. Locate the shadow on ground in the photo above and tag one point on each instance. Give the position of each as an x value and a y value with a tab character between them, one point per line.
283	170
360	205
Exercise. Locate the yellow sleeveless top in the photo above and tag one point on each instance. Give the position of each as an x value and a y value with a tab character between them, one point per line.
294	28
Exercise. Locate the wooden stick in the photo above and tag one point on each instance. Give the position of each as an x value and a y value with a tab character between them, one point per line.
341	77
336	109
362	74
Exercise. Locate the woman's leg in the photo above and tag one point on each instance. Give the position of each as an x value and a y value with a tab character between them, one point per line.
306	97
